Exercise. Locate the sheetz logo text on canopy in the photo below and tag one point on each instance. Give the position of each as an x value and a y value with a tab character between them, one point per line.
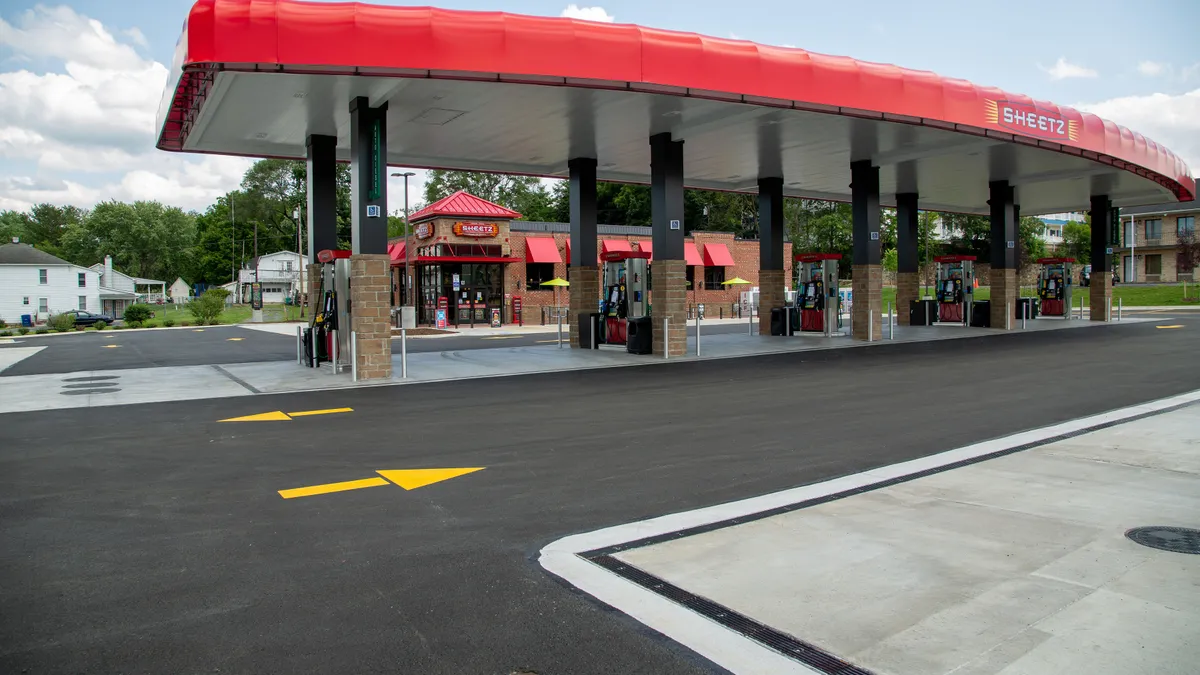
1027	120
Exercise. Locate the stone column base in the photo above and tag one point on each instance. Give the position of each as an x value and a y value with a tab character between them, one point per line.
585	298
1003	299
314	287
370	306
770	295
1100	296
908	285
669	301
867	310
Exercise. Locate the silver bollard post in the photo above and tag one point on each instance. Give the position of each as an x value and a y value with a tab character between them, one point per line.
1119	302
666	335
750	324
334	340
891	323
316	361
870	325
404	353
697	333
1024	314
353	356
787	320
299	346
560	331
1007	315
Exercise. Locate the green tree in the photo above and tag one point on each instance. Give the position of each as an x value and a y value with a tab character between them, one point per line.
145	239
13	225
1033	244
45	225
1077	241
524	194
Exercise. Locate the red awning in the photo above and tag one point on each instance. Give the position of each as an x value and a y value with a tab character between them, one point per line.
691	255
611	245
646	247
717	255
396	253
541	250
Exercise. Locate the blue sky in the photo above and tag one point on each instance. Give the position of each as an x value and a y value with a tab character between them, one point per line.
1134	62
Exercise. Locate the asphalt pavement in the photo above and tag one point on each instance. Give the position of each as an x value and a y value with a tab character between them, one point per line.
153	539
120	350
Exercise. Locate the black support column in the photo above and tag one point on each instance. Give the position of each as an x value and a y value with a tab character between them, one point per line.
322	194
1004	254
669	295
585	276
866	312
908	264
368	177
1100	285
772	282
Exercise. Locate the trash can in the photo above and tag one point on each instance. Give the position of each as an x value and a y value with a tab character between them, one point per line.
777	321
922	312
639	336
595	326
796	316
981	314
1032	303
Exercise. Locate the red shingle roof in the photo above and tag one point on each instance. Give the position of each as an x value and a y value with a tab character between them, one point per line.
464	205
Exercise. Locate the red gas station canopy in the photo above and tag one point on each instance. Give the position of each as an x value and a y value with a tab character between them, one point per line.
255	77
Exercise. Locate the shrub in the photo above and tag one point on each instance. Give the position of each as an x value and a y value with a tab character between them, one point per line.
5	333
3	324
42	331
138	313
132	324
118	327
185	322
23	330
207	307
61	322
168	322
100	325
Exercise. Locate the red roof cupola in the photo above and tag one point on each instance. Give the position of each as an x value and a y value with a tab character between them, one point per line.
463	205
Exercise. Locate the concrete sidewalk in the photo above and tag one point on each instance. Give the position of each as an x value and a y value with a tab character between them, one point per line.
1014	565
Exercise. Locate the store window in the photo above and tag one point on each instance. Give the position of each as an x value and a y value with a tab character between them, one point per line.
1153	265
690	275
713	278
1185	225
82	280
1154	229
538	273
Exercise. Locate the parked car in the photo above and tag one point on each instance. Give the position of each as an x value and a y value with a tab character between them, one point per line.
83	318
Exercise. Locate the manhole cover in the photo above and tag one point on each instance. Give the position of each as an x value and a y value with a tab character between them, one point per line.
1174	539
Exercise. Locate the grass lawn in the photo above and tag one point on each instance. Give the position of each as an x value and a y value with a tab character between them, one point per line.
232	314
1131	296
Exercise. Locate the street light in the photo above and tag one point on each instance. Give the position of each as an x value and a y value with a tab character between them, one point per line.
408	275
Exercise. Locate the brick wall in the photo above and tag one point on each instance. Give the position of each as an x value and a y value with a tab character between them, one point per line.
371	299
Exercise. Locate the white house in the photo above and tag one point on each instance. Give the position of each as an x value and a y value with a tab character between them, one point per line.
281	275
179	290
119	290
35	283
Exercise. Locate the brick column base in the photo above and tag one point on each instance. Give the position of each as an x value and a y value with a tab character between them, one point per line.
370	305
867	310
770	295
1100	296
314	286
585	298
908	285
669	301
1003	299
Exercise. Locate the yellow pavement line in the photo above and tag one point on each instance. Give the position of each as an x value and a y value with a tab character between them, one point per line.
332	487
501	337
112	346
548	342
1178	326
235	339
328	411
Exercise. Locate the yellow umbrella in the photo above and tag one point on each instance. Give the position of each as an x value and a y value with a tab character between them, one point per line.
556	282
736	280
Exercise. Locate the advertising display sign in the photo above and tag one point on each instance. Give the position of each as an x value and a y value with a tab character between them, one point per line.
476	229
256	296
441	318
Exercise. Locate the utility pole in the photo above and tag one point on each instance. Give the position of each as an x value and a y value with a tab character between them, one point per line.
232	243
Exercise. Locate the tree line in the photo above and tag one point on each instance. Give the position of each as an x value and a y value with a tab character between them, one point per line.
151	240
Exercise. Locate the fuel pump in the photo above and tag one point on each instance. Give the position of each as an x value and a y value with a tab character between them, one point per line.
817	297
1054	286
626	302
331	314
955	287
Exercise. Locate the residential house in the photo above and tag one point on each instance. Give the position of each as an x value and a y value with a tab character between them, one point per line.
119	290
180	291
280	273
37	284
1149	250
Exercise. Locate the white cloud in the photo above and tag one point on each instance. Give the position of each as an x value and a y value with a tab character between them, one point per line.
1062	69
93	113
587	13
137	36
1152	68
1173	121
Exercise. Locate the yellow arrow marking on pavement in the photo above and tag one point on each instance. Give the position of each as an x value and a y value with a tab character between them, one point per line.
280	416
197	330
1179	326
332	487
547	342
409	479
235	339
112	346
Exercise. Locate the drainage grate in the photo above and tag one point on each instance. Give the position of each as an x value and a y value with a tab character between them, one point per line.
1164	538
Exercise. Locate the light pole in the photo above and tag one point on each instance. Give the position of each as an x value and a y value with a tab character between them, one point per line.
408	274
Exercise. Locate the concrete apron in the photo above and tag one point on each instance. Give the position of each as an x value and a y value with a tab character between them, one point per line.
148	385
